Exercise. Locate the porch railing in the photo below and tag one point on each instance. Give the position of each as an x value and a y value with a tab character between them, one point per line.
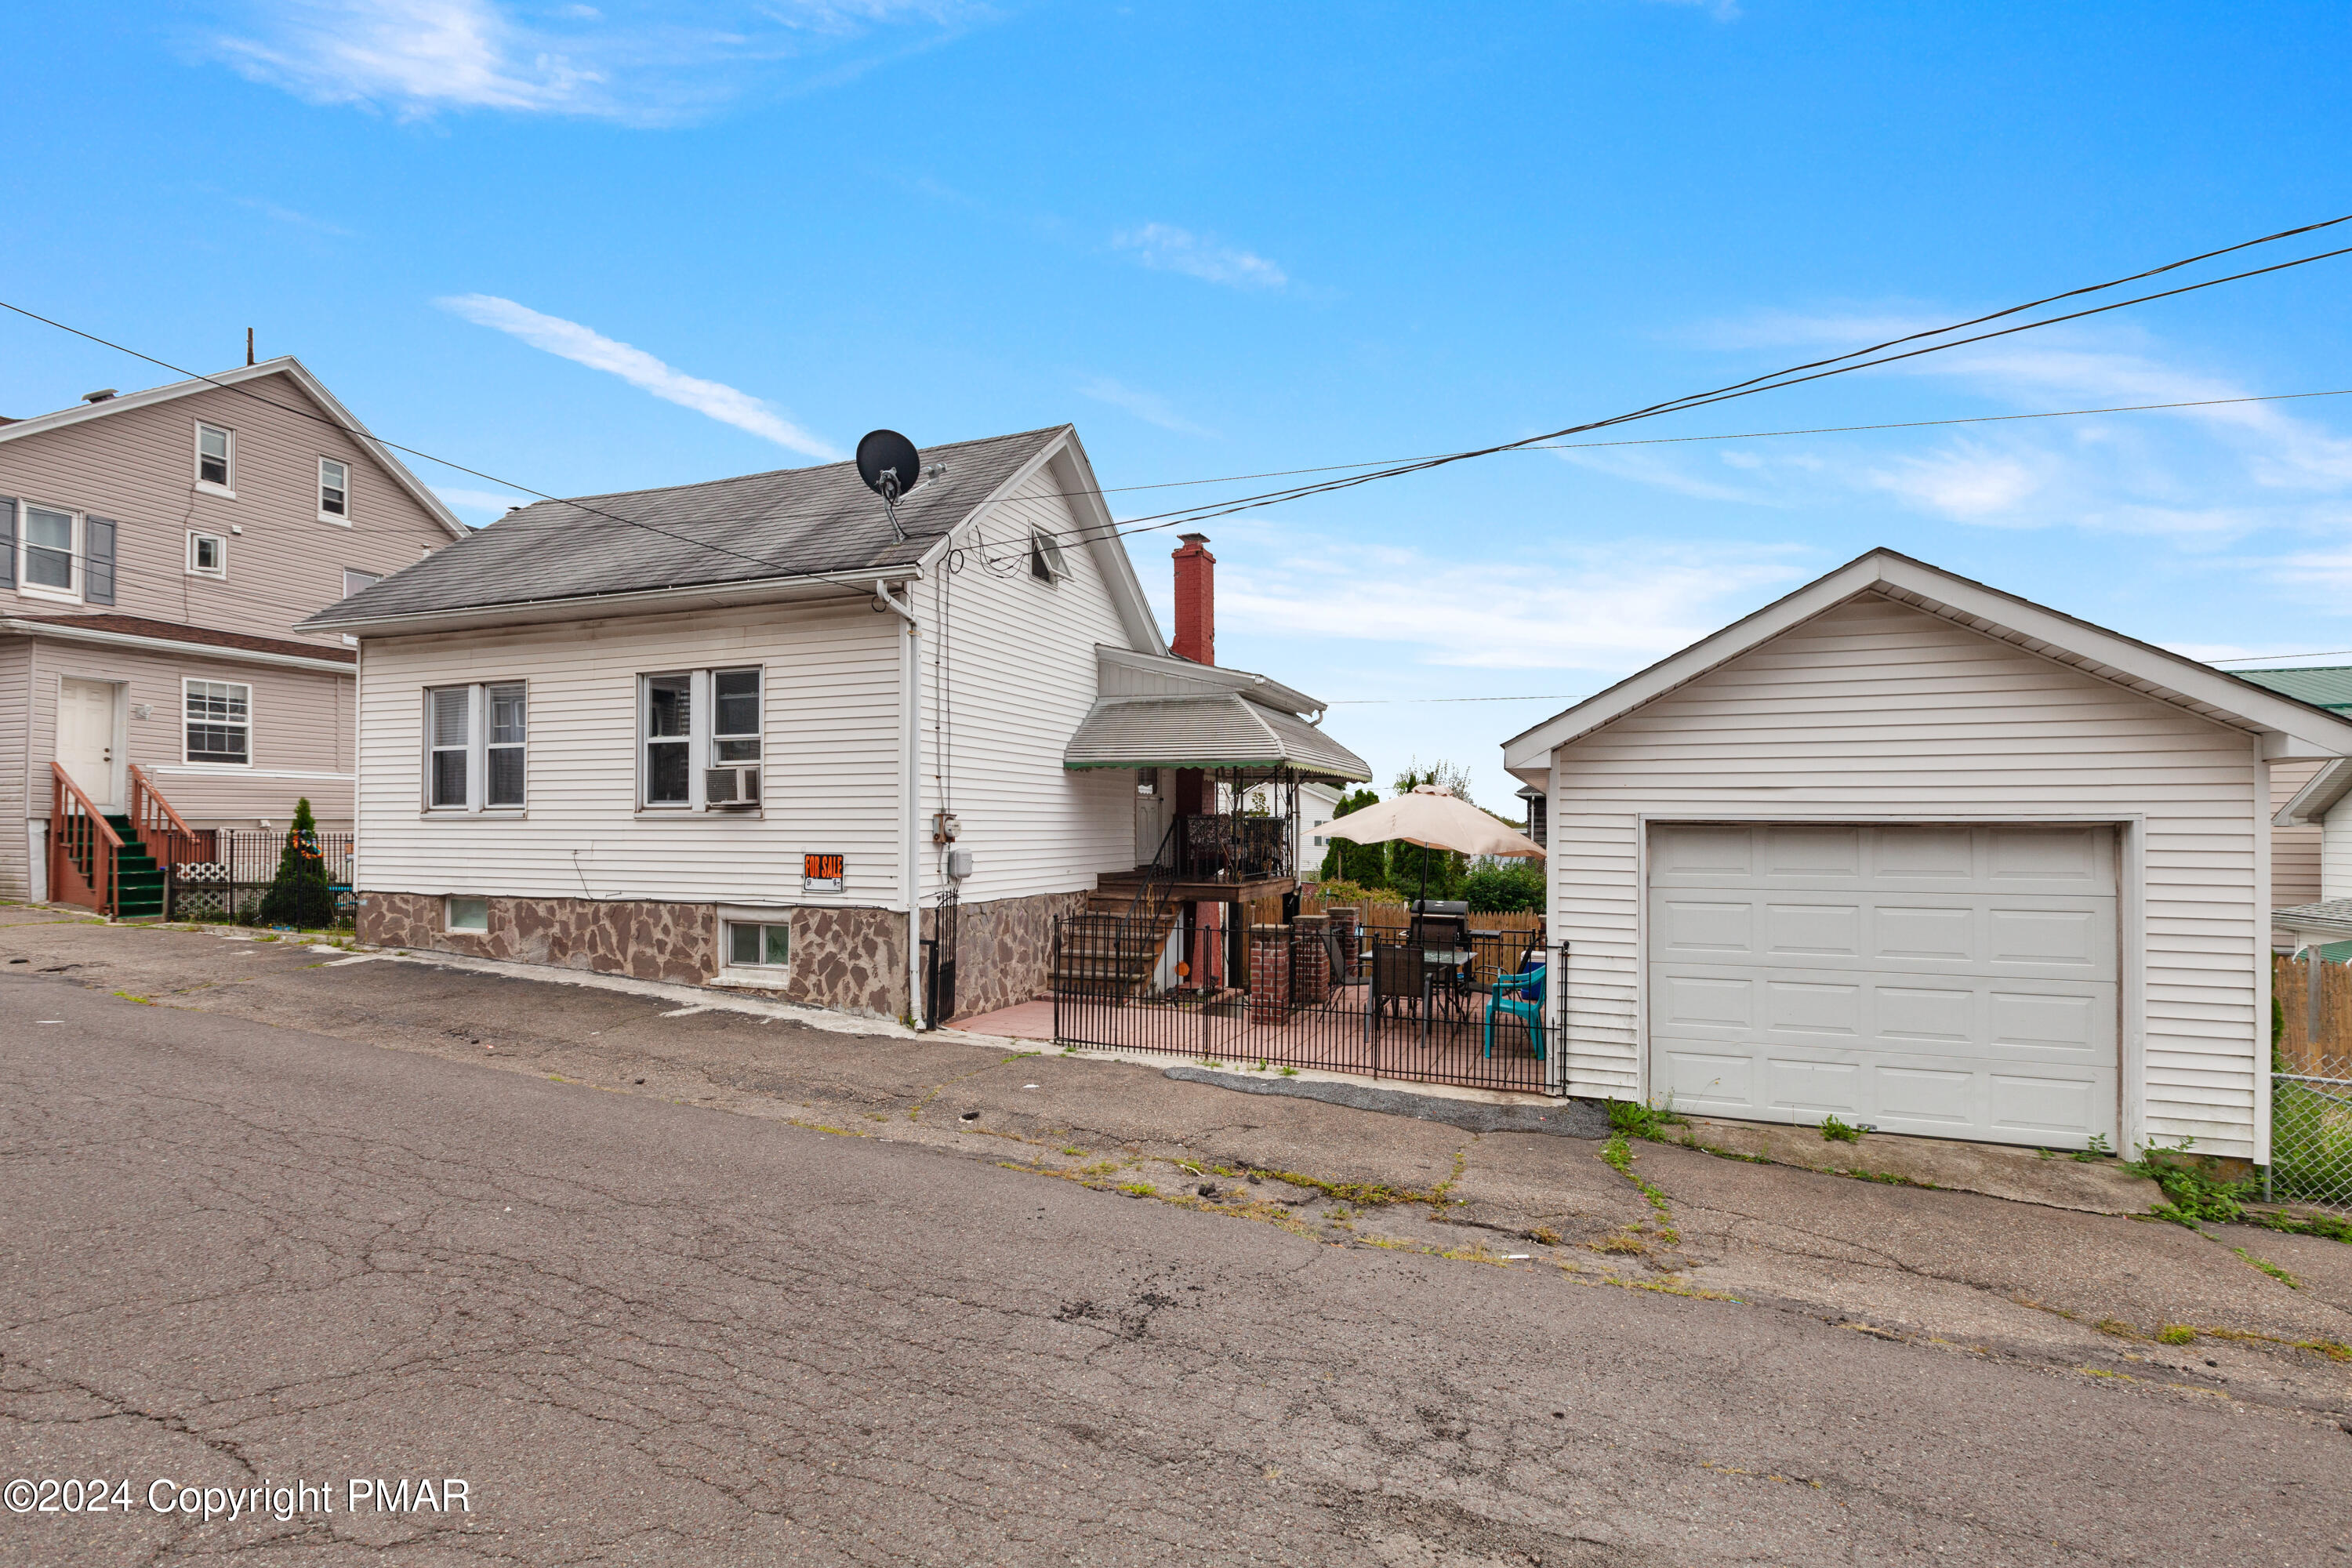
168	838
82	846
1231	847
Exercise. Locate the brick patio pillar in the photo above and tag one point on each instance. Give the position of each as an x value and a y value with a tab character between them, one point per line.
1310	962
1269	974
1343	926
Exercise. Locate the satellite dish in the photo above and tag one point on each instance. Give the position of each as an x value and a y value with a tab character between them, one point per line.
888	464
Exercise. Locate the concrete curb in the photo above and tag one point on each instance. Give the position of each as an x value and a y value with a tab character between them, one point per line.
1559	1118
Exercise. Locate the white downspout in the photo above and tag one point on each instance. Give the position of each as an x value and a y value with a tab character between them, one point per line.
910	698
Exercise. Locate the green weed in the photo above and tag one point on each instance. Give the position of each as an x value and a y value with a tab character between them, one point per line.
1836	1132
1631	1119
2176	1334
2273	1269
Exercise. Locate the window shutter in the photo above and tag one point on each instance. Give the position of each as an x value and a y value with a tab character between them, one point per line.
7	541
97	560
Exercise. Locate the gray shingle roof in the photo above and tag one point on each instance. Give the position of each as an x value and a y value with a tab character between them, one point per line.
792	523
1225	730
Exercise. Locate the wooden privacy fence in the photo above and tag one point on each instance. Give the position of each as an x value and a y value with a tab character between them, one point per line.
1518	929
2326	1052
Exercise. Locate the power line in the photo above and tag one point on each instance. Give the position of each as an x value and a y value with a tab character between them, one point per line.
1771	382
365	438
1814	370
2258	657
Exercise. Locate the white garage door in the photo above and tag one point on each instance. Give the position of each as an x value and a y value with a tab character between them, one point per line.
1958	981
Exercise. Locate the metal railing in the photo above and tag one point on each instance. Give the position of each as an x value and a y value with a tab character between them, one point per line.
241	864
1426	1005
1232	846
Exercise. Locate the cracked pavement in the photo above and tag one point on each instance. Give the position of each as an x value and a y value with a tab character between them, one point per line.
717	1288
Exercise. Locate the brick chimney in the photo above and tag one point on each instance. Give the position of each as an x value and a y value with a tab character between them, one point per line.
1196	601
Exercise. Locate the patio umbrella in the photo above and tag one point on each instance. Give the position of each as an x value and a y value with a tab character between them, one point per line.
1434	819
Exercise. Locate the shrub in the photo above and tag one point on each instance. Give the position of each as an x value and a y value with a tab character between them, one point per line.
298	896
1504	890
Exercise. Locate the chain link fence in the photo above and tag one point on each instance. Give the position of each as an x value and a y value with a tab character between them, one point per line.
2311	1085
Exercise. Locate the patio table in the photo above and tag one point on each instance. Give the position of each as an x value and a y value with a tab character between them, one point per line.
1433	960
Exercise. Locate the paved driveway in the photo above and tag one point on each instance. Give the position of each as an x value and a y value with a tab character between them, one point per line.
241	1255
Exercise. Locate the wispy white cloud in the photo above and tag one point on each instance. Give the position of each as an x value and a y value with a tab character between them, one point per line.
293	219
2208	474
1148	406
1721	10
1605	608
648	64
1171	249
639	369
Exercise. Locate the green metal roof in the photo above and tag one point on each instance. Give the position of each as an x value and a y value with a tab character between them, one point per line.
2329	686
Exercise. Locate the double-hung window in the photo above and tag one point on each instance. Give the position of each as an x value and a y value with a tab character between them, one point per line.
52	562
216	456
219	721
474	747
334	490
700	738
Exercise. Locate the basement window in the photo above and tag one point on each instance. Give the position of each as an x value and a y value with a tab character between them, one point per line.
467	914
754	947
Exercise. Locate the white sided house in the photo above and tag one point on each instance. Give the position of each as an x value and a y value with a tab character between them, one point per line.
1915	852
741	734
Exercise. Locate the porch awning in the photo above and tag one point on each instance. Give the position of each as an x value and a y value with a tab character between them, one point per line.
1225	730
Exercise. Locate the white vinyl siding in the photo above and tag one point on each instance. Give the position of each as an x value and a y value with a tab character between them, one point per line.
1877	711
831	768
1020	654
2294	851
135	466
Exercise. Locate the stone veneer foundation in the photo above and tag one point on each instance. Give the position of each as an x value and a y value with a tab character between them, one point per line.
854	959
1005	949
851	959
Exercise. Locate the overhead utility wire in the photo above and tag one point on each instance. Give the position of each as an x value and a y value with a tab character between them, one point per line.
365	438
1739	435
1787	376
1772	382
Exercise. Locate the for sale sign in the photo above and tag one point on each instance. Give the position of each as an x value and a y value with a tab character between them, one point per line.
820	873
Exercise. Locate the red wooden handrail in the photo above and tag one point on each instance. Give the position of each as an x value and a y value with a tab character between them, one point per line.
166	836
80	841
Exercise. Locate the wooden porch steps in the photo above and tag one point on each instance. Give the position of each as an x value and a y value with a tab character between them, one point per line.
138	875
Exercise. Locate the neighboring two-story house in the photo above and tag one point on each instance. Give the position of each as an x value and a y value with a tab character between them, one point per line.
744	732
156	549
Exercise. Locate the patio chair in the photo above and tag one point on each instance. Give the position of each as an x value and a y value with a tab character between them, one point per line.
1518	996
1396	978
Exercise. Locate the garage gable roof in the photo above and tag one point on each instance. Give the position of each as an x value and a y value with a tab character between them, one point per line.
2289	728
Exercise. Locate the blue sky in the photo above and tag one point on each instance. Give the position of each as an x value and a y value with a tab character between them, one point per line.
598	248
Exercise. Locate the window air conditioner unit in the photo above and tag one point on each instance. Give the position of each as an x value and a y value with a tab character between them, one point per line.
731	789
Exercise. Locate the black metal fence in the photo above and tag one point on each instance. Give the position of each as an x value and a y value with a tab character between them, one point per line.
230	885
1434	1003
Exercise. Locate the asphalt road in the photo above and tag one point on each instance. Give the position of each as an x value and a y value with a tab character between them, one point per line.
240	1256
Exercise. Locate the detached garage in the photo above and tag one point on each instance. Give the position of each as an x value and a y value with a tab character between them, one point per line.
1913	852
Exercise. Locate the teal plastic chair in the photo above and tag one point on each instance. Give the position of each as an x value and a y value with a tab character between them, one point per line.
1517	996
